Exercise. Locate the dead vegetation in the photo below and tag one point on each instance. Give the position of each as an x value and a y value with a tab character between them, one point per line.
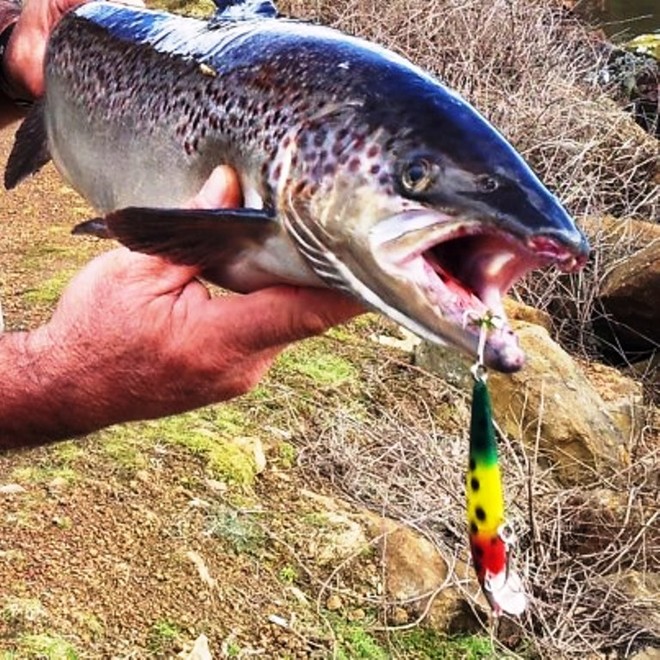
589	555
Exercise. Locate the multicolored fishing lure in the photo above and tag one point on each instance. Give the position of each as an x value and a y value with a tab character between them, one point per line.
491	537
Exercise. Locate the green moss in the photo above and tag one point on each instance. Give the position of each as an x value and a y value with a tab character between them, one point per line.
287	454
239	530
208	433
427	644
39	474
231	463
49	291
45	647
288	574
66	453
356	643
124	451
317	520
162	636
310	359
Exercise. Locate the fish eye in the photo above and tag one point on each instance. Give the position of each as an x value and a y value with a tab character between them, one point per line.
416	175
488	184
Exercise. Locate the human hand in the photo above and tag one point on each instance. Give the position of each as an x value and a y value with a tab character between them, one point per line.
23	60
140	338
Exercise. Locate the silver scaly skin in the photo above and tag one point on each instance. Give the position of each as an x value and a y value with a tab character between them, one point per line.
359	170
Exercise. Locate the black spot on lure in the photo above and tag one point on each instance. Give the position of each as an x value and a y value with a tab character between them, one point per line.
359	170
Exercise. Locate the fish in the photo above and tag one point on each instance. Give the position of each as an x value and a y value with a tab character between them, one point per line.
360	171
490	535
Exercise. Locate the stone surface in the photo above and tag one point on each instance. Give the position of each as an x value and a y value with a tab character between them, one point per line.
416	571
619	232
643	589
648	653
453	367
518	311
630	284
623	396
630	298
552	398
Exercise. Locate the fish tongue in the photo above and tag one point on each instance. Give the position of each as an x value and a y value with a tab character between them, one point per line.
491	296
487	274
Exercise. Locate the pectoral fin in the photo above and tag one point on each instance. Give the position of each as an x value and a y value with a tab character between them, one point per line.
203	238
30	151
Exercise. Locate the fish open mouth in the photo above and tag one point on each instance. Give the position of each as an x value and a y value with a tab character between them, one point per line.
462	271
475	271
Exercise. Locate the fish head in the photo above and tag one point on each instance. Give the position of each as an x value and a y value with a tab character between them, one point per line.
430	219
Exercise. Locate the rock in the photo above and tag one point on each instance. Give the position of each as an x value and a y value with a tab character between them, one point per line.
623	396
253	447
453	367
399	616
199	651
12	489
593	519
518	311
642	590
551	397
334	603
416	570
648	653
341	534
629	296
357	614
621	235
647	371
58	484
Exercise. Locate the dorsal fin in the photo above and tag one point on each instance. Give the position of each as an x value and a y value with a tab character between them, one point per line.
240	10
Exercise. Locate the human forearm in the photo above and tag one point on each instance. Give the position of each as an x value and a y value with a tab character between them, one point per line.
36	406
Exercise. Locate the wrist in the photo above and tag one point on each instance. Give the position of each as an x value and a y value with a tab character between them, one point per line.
37	391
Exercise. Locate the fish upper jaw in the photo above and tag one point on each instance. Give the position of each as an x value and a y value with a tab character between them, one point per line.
447	272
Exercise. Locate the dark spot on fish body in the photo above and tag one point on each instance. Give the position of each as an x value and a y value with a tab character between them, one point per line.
474	484
478	551
474	528
374	169
354	165
277	172
480	513
472	465
373	151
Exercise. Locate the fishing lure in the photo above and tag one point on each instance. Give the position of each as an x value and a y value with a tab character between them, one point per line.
491	537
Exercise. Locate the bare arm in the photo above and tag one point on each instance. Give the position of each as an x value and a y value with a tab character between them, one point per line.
134	338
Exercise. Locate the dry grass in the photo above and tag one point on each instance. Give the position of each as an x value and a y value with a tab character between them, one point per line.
532	70
579	549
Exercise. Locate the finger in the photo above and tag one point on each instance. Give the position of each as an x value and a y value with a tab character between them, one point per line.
221	190
277	316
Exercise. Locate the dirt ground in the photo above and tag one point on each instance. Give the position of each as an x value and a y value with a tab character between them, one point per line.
94	552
